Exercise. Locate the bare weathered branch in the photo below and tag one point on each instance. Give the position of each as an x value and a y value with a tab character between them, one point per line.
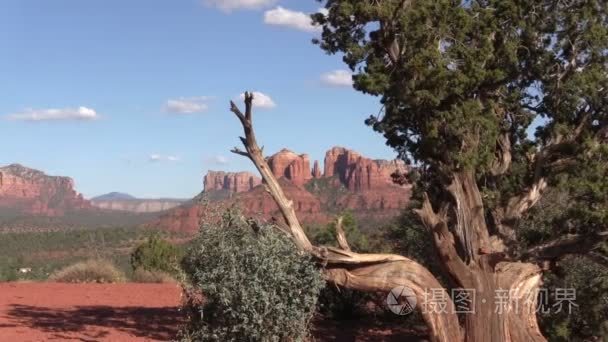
503	158
547	158
235	109
444	240
238	151
389	275
255	154
341	235
519	204
566	245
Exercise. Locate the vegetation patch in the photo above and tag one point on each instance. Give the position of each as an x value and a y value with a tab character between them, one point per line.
90	271
141	275
256	285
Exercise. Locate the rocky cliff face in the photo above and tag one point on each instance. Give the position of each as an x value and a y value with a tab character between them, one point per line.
349	181
291	166
33	192
233	182
359	173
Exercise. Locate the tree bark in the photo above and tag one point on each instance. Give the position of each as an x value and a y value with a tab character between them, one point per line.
505	293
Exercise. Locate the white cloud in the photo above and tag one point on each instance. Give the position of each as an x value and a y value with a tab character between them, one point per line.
293	19
155	158
337	78
187	105
80	113
231	5
221	160
261	100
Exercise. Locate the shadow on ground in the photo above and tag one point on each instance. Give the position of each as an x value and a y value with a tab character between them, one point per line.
365	330
152	323
95	323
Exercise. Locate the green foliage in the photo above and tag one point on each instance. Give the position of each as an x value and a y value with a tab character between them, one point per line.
8	269
47	251
90	271
141	275
553	217
452	75
255	284
589	318
329	189
156	254
326	236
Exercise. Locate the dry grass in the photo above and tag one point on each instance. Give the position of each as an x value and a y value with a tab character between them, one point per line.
143	276
90	271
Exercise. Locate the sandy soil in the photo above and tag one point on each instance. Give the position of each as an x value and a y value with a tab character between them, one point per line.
128	312
88	312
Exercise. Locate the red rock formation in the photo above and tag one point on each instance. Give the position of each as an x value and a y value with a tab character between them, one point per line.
294	167
359	173
231	181
185	218
353	182
259	202
255	203
316	170
32	191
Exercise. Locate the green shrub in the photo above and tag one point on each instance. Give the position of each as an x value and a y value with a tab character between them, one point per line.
326	235
90	271
255	284
156	254
141	275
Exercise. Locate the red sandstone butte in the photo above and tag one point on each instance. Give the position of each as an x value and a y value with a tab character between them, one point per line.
359	173
33	192
230	181
350	182
294	167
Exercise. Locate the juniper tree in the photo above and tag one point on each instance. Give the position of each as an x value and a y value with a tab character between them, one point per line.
494	102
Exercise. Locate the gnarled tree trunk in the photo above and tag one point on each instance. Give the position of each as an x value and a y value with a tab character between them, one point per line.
505	293
474	260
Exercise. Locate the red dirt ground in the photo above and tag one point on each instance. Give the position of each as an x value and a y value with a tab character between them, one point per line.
88	312
128	312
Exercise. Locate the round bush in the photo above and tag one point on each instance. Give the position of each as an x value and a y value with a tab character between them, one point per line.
155	254
89	271
251	282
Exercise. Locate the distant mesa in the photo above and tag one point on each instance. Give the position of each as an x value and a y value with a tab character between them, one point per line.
349	181
124	202
114	196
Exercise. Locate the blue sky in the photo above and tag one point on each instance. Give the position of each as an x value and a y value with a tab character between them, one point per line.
133	95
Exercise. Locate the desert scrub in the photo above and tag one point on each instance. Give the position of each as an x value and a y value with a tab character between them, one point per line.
156	254
90	271
141	275
248	282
